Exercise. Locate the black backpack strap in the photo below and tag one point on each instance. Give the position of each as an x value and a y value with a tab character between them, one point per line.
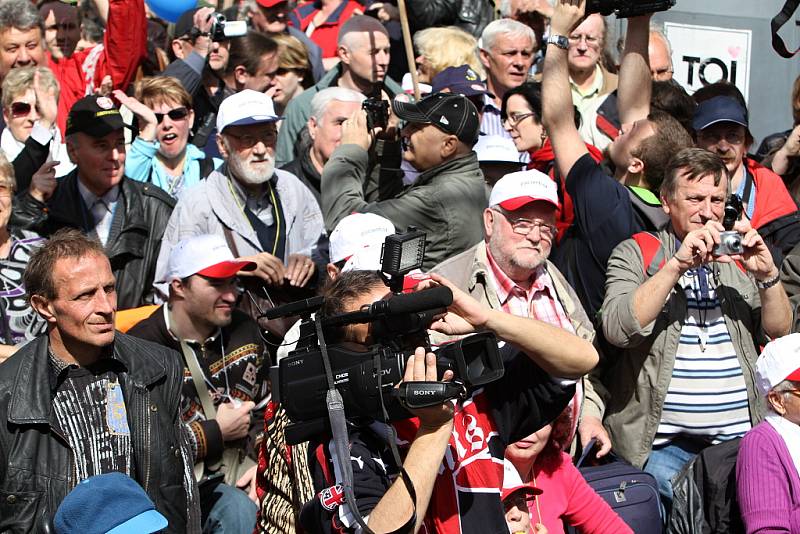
206	167
779	20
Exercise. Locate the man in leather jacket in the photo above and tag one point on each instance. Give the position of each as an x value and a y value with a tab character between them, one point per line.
128	217
471	16
84	400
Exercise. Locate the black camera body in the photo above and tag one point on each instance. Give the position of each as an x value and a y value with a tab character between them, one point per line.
730	240
627	8
367	378
377	113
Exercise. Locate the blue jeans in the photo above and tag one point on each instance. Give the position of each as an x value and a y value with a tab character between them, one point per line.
226	510
665	462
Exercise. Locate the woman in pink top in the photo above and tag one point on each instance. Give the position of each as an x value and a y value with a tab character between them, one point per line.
566	496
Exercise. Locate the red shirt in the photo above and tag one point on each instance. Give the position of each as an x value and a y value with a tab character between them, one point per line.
326	34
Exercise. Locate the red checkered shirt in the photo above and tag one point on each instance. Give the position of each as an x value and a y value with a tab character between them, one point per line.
538	302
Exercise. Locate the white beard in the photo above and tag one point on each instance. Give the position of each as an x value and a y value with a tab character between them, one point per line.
249	174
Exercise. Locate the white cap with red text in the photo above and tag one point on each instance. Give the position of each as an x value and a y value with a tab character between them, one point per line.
516	189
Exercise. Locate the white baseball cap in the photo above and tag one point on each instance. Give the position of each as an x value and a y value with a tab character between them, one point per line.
496	149
245	107
206	255
516	189
779	361
358	231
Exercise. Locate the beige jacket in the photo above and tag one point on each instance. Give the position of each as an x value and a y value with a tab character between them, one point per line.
637	378
468	271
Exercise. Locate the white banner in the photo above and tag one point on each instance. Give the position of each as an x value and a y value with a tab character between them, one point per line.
702	55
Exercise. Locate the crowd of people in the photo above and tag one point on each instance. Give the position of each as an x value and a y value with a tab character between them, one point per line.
633	263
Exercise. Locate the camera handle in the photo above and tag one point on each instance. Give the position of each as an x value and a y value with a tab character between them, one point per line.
415	395
336	414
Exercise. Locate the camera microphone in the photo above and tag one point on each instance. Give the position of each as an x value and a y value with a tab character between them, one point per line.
428	299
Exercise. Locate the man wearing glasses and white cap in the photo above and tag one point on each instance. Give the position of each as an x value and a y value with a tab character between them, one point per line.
266	215
509	271
225	374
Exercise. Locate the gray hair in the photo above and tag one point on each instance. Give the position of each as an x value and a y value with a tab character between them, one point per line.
321	100
20	14
658	30
508	27
782	388
7	172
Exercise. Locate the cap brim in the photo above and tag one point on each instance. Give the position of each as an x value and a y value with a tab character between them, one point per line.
794	376
718	120
466	89
258	119
530	490
516	203
410	112
144	523
226	269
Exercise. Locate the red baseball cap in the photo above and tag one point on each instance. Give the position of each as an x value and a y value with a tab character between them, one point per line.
528	489
271	3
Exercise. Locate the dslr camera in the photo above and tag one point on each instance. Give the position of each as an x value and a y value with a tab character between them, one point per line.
627	8
730	240
223	29
367	378
377	113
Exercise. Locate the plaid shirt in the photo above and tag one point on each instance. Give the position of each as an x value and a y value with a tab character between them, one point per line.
538	302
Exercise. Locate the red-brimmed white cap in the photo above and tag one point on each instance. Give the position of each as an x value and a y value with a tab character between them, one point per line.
516	189
779	361
206	255
244	108
512	483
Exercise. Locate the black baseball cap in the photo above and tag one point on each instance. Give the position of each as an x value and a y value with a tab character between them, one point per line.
185	23
96	116
451	113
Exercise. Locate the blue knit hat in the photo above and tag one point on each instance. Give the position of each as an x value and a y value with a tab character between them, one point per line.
112	503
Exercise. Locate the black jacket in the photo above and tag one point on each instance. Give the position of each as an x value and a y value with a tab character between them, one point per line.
134	239
35	461
471	16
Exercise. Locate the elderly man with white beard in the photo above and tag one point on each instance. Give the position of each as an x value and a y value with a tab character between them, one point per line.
266	215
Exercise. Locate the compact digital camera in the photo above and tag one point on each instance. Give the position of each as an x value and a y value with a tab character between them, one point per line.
730	240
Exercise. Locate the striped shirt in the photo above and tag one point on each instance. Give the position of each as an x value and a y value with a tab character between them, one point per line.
707	396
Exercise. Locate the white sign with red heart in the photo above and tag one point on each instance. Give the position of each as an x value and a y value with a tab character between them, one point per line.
702	55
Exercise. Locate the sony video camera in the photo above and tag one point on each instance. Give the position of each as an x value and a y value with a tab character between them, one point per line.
627	8
366	377
223	29
730	240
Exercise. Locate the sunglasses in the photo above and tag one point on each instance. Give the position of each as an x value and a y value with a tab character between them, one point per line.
176	114
20	109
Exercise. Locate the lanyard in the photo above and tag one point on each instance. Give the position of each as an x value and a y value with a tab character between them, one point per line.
275	212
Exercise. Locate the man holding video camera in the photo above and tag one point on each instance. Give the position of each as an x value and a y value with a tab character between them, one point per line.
697	298
463	493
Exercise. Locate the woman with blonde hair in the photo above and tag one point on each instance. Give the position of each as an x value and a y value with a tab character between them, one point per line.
294	71
30	104
439	48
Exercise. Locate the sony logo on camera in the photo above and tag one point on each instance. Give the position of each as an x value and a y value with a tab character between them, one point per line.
423	392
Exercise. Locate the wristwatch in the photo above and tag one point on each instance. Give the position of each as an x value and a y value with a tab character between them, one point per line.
768	283
559	40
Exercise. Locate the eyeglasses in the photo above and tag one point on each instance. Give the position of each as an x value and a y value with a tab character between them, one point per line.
514	119
732	137
792	392
20	109
524	226
661	75
176	114
591	40
249	141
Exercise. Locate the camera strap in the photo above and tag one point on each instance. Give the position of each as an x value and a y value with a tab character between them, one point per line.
779	20
336	415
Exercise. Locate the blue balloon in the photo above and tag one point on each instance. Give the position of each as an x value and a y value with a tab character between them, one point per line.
171	10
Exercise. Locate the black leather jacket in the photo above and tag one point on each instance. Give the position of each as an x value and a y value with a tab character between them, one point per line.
133	242
36	470
471	16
